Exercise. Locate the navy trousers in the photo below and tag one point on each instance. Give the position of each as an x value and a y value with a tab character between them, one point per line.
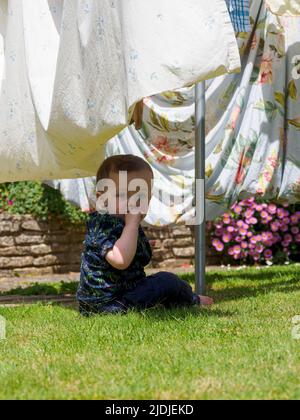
161	288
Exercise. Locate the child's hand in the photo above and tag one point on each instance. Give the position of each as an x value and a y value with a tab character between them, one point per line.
133	219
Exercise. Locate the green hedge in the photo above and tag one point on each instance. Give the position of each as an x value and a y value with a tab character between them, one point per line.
39	200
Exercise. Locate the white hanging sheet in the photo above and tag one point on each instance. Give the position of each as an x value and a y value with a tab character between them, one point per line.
72	70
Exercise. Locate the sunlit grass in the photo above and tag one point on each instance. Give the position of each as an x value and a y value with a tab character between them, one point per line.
240	348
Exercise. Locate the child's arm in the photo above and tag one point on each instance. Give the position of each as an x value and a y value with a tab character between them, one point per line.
123	253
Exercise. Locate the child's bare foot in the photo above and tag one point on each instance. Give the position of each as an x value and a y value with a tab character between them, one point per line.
206	301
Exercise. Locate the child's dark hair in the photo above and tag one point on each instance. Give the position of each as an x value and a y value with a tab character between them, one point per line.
118	163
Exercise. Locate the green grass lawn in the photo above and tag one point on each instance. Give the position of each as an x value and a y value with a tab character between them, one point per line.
241	348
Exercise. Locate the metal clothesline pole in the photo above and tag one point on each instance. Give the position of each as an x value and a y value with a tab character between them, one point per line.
200	228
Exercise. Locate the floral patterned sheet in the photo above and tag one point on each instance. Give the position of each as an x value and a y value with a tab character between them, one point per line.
284	7
253	128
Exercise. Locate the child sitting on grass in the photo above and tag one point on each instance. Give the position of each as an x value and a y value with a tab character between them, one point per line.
117	250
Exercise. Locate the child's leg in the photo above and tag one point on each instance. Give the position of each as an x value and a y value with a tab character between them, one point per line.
166	288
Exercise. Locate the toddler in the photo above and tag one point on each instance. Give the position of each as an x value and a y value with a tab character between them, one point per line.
116	249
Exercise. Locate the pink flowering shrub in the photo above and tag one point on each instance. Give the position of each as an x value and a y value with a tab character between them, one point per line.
255	232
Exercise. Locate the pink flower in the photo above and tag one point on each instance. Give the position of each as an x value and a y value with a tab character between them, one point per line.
220	247
231	251
256	256
268	254
260	249
253	221
284	228
256	229
227	238
249	213
216	242
237	250
280	213
268	243
238	209
288	238
240	224
275	227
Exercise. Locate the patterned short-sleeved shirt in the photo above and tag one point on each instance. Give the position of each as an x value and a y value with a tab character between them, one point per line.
100	283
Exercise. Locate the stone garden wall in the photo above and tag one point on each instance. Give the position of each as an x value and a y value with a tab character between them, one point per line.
28	246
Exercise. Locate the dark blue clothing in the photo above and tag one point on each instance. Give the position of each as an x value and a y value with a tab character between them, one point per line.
104	289
101	283
160	288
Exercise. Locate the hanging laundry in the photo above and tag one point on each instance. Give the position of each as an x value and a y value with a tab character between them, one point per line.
284	7
75	69
253	129
240	14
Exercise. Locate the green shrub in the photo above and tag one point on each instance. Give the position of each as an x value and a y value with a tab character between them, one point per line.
39	200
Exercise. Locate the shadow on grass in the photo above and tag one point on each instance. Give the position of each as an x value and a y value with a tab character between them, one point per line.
251	274
159	313
37	289
244	292
257	282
